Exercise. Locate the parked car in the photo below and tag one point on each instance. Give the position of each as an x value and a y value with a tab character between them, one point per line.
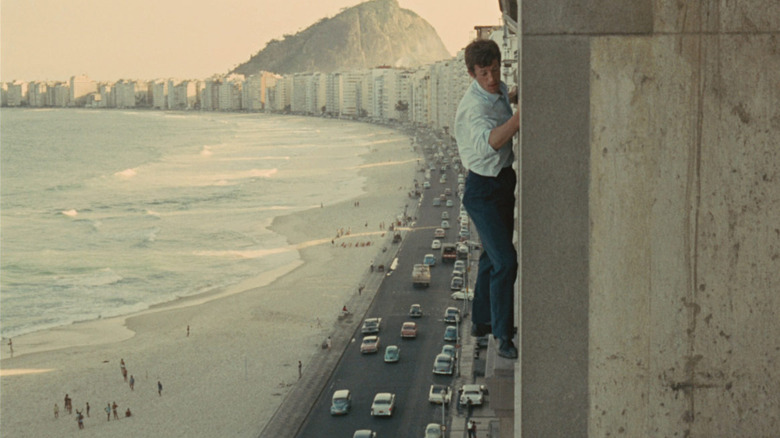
456	283
459	265
451	333
371	326
383	405
364	433
449	350
433	430
445	214
429	260
439	233
443	364
445	224
392	353
370	344
436	244
451	315
439	394
462	295
415	311
409	330
472	394
341	403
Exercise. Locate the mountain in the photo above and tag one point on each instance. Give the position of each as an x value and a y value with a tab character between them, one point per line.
374	33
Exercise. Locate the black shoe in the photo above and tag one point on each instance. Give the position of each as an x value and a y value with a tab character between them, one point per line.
506	348
479	330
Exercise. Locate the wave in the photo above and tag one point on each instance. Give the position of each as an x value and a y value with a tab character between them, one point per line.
70	213
127	173
263	173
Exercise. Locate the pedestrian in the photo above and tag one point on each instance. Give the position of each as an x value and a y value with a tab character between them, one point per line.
87	409
124	373
123	369
68	406
300	372
188	330
472	429
159	388
484	128
113	409
11	346
132	382
80	419
108	412
56	411
329	342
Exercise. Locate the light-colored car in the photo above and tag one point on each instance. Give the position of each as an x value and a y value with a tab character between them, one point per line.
392	354
409	330
445	224
439	394
451	315
371	326
462	295
433	430
383	405
415	311
445	214
429	260
364	433
436	244
449	350
459	265
427	185
443	364
341	402
451	333
456	283
370	344
449	203
472	394
439	233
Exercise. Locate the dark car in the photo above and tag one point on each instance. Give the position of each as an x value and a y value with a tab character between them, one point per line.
415	311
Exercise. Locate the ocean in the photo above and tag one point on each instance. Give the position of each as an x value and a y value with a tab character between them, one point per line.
108	212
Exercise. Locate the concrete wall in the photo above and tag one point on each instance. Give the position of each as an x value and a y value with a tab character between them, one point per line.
650	219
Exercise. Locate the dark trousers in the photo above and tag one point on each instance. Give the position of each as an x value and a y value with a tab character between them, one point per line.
490	202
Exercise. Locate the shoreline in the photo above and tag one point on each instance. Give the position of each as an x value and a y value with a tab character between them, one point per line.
254	332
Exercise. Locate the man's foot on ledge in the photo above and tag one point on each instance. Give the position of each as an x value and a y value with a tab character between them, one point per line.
478	329
506	349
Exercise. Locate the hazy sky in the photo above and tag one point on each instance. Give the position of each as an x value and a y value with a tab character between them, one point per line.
148	39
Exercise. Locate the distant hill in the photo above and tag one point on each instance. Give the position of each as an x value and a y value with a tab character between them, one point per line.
374	33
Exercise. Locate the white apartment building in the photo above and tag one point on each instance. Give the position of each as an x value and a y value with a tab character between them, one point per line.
37	94
252	93
159	92
17	93
299	92
182	95
332	93
350	85
107	99
61	94
80	87
123	94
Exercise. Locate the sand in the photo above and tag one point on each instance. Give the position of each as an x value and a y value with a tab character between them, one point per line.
240	359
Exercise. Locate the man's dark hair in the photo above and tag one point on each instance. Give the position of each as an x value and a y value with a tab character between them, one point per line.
482	53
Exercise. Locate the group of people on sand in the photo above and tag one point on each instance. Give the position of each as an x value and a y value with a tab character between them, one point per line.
110	409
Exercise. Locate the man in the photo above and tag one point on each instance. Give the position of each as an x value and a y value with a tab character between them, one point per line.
484	127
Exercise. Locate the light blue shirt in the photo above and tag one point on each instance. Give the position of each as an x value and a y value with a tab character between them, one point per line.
479	112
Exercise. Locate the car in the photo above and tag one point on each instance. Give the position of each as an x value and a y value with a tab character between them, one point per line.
436	244
429	260
451	333
449	350
464	234
457	282
370	344
443	179
459	265
364	433
462	295
449	203
472	394
445	224
448	191
427	185
462	251
445	215
341	403
392	353
451	315
371	326
383	405
409	330
433	430
436	202
439	233
443	364
415	311
439	394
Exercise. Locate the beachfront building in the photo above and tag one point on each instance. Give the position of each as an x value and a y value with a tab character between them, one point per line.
299	92
252	93
183	95
229	93
159	92
123	95
17	93
80	87
349	93
420	107
332	93
37	94
61	95
209	95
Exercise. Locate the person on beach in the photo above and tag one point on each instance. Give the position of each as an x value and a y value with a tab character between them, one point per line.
123	369
108	412
87	409
113	409
300	370
132	383
56	411
11	346
188	330
484	128
68	406
329	342
80	419
159	388
128	413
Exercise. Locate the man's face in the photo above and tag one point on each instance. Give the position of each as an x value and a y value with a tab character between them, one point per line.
488	77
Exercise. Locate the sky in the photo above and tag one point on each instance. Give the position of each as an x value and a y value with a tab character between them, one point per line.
110	40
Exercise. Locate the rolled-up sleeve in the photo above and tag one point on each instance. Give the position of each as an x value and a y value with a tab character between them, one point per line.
476	117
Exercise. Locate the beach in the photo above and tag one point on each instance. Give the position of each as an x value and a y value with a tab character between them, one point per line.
225	359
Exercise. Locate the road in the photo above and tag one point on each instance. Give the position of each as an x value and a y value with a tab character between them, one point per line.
410	379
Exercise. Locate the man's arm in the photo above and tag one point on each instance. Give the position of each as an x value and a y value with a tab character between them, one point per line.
501	134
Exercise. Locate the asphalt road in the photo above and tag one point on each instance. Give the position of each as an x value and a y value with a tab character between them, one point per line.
409	379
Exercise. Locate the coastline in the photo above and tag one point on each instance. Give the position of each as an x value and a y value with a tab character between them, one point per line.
229	375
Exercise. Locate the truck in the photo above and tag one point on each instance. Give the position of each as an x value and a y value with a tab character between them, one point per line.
421	275
449	252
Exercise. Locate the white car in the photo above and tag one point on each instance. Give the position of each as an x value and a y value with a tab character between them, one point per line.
459	266
445	224
383	404
462	295
456	283
436	244
472	394
439	394
433	430
443	364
